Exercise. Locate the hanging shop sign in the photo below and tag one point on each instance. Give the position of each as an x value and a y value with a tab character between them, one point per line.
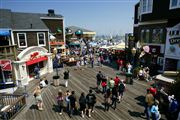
173	43
6	65
35	58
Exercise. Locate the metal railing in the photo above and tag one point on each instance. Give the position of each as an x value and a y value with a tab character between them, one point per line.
11	105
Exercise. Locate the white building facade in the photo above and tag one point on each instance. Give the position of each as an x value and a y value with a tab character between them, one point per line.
28	59
172	51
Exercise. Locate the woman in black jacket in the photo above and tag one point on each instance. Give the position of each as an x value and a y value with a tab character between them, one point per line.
82	103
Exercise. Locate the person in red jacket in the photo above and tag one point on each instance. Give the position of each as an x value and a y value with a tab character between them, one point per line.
116	81
153	91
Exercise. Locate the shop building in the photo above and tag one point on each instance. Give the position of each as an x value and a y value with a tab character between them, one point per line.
151	18
28	59
172	51
25	43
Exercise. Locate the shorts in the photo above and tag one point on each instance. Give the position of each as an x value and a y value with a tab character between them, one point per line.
38	98
82	107
90	105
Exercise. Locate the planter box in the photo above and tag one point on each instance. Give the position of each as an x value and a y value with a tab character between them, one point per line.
56	81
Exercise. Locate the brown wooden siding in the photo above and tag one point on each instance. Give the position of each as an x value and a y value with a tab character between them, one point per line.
53	25
31	38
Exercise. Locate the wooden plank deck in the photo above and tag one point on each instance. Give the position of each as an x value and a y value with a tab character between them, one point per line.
130	108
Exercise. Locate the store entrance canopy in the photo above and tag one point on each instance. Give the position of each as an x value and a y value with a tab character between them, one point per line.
4	32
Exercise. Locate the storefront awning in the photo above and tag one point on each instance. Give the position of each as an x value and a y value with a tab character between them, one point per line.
4	32
30	62
165	79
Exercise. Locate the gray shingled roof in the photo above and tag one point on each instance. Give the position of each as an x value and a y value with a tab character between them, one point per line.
18	20
74	29
5	18
24	21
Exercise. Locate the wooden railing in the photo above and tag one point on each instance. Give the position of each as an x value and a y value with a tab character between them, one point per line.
11	105
8	52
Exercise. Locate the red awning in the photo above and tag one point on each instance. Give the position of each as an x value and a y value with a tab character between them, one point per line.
30	62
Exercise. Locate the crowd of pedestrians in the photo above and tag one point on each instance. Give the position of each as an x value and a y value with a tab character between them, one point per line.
112	89
85	103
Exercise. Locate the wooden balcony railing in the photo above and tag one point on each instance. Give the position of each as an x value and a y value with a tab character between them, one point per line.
8	52
11	105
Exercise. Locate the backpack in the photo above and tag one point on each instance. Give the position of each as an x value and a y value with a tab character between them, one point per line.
174	106
121	87
90	98
82	100
99	76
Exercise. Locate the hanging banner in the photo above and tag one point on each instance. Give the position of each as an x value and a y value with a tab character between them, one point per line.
6	65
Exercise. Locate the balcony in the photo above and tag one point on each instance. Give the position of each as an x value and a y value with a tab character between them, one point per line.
8	52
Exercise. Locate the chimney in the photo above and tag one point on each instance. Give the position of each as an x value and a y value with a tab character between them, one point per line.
51	12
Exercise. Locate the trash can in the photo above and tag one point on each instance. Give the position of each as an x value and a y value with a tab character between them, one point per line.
56	80
129	79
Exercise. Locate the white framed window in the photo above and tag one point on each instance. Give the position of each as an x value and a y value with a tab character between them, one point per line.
41	39
22	40
146	6
174	4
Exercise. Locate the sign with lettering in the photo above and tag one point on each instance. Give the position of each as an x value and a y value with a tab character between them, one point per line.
174	40
172	49
6	65
34	55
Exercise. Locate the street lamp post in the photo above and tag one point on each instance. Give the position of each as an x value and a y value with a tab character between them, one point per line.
133	51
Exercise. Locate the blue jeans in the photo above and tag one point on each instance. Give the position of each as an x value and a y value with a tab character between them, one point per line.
148	112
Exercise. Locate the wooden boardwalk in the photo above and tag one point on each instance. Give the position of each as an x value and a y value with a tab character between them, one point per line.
131	108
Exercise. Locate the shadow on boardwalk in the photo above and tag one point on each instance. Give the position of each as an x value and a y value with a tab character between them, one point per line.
141	100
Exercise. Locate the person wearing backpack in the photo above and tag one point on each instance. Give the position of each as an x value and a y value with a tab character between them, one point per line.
155	111
173	107
114	97
121	89
91	100
82	103
60	100
72	99
107	100
104	84
67	101
99	79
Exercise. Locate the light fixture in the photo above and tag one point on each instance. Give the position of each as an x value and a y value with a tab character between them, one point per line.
133	51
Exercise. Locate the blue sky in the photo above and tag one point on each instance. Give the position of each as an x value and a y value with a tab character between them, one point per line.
102	16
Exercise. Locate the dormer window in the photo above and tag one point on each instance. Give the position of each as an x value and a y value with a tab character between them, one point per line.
146	6
174	4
